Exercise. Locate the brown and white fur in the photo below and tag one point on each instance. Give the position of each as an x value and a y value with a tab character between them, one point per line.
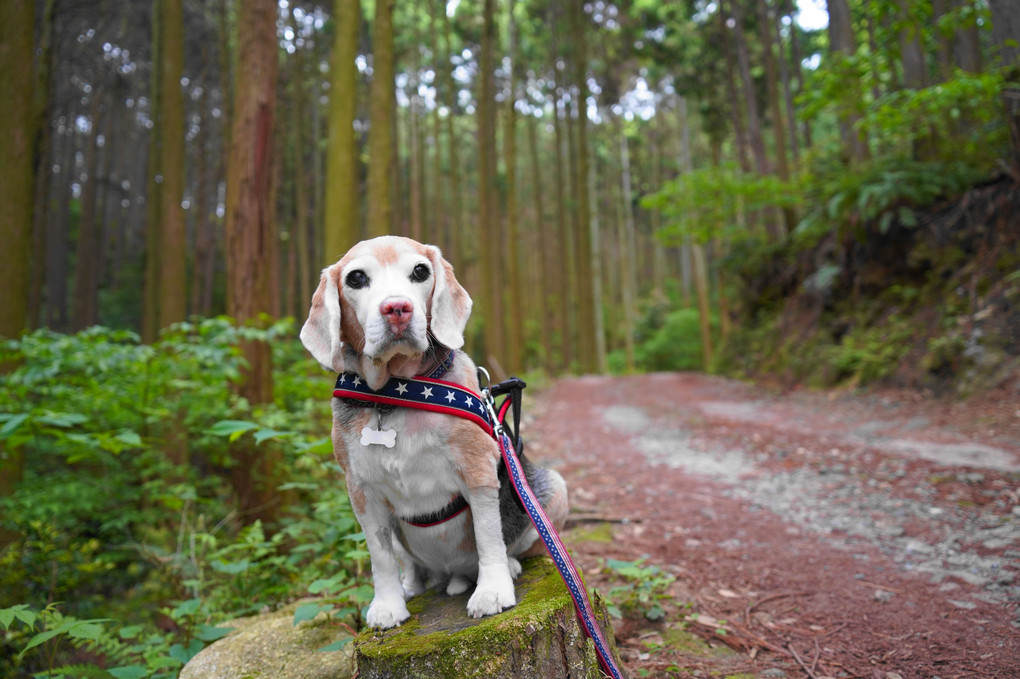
391	307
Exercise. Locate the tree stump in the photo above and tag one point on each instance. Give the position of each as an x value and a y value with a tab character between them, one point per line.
539	638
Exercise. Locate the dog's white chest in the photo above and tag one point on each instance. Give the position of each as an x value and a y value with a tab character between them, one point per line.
411	466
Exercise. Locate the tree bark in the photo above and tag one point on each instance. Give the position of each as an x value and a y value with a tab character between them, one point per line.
515	330
488	226
626	239
18	122
89	253
173	239
250	235
841	42
341	218
587	342
381	143
154	185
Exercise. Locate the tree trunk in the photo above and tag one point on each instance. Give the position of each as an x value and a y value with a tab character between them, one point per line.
154	186
456	215
173	239
515	330
42	165
784	76
383	116
538	638
754	131
560	283
626	240
87	263
841	42
205	235
540	300
250	235
772	87
704	310
18	121
587	342
1006	51
341	217
488	226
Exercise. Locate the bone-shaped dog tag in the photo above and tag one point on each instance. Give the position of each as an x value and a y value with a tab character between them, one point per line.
386	437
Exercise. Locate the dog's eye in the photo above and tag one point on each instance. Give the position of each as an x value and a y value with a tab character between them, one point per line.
420	274
357	279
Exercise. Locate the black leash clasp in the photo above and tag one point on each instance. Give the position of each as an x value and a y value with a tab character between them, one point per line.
513	388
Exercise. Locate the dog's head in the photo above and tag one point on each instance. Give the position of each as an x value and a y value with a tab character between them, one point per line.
387	298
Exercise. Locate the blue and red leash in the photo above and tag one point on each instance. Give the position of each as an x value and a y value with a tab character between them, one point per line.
546	530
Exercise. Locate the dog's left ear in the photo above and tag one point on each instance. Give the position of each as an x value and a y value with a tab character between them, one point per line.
321	332
451	304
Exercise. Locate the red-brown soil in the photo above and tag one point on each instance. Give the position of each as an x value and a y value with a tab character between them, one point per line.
811	534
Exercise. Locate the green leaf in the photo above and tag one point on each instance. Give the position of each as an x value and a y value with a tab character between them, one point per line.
129	672
12	424
309	611
186	608
231	428
182	654
63	420
209	633
40	638
86	629
129	438
267	433
20	612
129	632
336	645
231	567
318	447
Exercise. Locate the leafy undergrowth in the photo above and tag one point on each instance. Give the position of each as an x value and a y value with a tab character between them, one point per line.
923	299
123	551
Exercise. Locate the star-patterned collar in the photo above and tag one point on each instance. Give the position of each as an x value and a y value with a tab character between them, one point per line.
423	393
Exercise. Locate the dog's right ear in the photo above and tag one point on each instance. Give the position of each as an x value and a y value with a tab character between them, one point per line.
321	332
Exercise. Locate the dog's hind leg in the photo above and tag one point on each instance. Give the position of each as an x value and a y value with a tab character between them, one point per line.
412	574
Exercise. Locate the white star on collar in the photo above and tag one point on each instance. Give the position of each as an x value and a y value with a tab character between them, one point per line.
357	381
343	378
450	396
401	388
427	392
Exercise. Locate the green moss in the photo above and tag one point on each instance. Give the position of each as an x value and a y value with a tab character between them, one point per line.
600	532
441	640
687	643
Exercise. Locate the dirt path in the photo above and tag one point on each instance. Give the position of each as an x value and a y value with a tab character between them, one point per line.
810	534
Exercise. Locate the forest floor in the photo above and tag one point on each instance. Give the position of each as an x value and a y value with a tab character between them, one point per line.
811	533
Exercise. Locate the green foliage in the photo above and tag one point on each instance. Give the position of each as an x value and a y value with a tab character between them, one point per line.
147	554
643	591
692	207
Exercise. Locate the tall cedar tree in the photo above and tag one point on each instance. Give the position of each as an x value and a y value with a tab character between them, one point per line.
383	109
488	227
342	216
17	156
250	235
173	274
17	175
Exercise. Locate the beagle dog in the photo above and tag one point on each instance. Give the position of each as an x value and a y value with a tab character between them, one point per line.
436	507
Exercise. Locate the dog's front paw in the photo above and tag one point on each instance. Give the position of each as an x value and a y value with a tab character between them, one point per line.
386	614
515	567
491	599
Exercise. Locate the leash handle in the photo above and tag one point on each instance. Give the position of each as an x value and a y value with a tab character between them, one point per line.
547	532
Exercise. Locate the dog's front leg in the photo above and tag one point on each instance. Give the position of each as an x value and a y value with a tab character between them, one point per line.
388	608
495	589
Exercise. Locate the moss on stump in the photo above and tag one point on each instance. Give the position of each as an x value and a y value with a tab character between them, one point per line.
537	639
270	646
